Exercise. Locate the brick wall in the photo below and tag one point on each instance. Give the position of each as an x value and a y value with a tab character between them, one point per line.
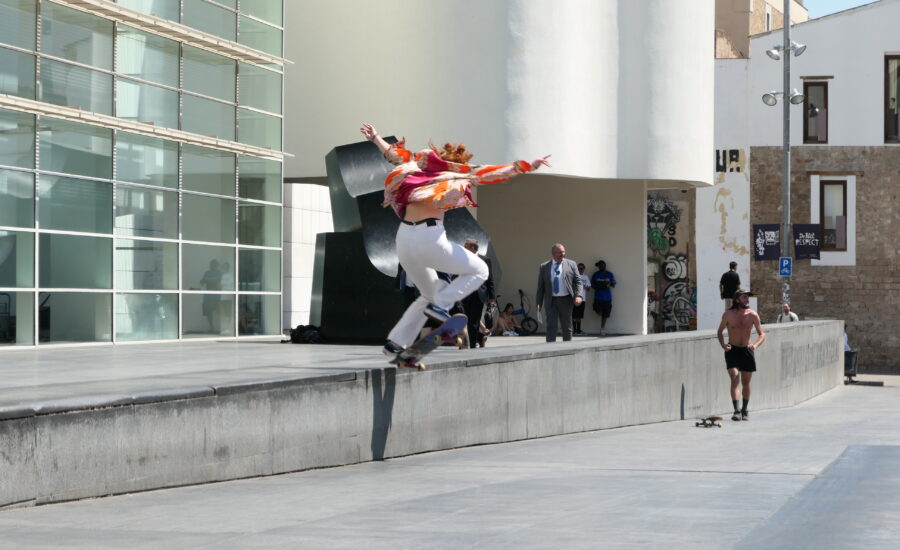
866	295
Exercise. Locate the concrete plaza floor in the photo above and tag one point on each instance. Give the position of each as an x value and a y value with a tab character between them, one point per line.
823	474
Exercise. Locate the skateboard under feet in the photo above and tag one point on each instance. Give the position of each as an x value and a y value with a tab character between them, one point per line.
447	333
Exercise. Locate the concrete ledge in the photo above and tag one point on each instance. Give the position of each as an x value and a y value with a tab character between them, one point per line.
88	447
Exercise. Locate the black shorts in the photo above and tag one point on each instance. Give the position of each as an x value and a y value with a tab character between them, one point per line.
741	359
603	307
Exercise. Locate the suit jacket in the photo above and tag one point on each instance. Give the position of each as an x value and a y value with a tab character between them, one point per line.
569	278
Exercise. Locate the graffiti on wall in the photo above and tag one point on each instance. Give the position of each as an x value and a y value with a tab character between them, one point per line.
662	224
730	161
678	303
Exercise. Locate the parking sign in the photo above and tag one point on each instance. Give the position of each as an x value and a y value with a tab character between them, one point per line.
785	267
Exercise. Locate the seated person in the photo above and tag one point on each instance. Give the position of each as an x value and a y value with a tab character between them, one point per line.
507	323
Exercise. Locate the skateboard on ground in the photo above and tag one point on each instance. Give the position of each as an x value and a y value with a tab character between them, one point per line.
709	422
449	332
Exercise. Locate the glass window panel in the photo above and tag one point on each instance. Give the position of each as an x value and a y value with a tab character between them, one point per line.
16	260
260	270
207	219
208	117
144	212
16	139
259	224
207	315
74	148
208	73
73	261
209	18
146	317
147	56
17	23
146	265
16	73
259	179
16	198
267	10
73	86
207	267
166	9
75	205
147	160
75	317
146	103
260	88
76	35
892	114
833	216
17	318
260	36
816	114
260	130
208	170
259	314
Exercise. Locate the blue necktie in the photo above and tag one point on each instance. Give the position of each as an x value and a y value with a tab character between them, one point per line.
556	280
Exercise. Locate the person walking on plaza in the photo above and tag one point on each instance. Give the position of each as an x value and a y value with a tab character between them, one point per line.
578	311
559	290
420	189
786	315
473	304
603	281
740	361
728	284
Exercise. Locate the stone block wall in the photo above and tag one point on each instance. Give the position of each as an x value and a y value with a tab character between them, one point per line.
866	295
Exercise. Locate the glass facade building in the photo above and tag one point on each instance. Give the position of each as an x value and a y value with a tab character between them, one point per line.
159	218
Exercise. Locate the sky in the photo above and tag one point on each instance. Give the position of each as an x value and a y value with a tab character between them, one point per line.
818	8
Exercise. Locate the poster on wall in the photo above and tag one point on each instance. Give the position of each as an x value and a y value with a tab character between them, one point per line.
806	241
766	241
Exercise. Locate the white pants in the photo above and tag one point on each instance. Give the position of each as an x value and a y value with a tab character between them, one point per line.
423	251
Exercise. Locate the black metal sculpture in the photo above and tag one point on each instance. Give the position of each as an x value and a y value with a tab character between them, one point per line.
355	293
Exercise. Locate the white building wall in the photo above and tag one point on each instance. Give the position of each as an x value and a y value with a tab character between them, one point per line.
591	81
855	94
723	211
307	212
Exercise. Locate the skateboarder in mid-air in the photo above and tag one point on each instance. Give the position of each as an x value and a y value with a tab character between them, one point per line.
420	189
739	357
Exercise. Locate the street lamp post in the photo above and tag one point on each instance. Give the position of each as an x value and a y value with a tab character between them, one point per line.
789	97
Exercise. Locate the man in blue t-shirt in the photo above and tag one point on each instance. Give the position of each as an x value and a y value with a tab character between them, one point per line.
602	281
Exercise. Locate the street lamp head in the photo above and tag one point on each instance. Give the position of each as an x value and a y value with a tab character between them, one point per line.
796	97
798	48
770	98
774	53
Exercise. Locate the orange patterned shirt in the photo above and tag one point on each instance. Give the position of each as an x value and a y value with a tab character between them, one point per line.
426	177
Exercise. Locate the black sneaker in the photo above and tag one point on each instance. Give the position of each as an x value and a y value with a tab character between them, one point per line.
736	416
745	415
391	350
437	313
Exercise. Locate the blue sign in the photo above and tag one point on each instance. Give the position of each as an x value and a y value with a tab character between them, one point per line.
785	267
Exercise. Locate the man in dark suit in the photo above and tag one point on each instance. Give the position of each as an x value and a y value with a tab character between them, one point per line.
473	304
559	291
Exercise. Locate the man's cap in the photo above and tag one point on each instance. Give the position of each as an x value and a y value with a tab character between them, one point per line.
740	292
732	264
598	263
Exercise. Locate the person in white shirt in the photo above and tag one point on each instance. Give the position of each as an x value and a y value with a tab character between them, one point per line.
786	315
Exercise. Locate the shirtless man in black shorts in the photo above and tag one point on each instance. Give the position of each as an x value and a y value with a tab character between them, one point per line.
739	360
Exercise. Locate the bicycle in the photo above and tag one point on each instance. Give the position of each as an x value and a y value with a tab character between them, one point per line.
529	324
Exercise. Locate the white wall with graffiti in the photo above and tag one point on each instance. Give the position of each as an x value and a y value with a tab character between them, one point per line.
671	292
723	211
